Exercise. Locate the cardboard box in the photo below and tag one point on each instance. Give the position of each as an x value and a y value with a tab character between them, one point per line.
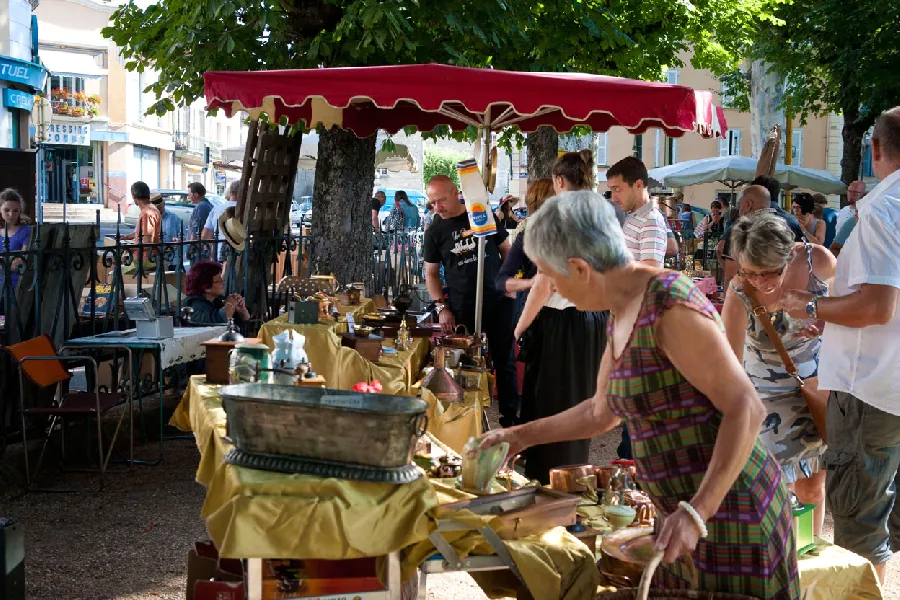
350	579
219	590
204	567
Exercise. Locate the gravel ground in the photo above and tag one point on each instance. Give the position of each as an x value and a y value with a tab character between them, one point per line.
131	541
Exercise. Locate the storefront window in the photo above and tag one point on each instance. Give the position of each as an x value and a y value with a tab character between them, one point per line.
69	174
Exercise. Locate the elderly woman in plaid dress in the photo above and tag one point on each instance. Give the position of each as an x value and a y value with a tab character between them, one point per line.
692	413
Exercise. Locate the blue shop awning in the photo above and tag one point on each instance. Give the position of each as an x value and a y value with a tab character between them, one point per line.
23	72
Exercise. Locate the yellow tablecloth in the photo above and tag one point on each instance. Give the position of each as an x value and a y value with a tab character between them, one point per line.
830	572
260	514
343	367
554	564
455	422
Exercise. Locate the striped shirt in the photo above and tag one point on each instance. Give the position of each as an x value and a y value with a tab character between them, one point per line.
645	233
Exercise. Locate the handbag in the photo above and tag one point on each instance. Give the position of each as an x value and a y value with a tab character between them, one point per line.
816	400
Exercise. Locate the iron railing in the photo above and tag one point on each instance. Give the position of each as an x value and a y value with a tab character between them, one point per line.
120	269
69	290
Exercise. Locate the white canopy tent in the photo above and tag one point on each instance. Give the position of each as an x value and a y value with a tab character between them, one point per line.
735	171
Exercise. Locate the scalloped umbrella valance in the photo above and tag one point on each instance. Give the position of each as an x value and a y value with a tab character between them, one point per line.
365	99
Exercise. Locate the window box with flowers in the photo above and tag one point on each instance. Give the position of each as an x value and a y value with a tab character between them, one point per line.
75	104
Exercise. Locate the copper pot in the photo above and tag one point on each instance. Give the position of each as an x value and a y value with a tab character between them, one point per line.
565	479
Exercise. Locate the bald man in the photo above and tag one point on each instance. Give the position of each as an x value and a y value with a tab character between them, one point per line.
855	193
449	243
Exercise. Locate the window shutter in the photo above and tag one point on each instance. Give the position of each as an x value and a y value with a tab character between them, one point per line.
798	146
672	76
674	151
658	153
736	142
602	143
723	144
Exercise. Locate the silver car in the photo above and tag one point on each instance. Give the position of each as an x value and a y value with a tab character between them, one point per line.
176	202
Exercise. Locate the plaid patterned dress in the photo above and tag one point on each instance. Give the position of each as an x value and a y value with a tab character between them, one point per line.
673	427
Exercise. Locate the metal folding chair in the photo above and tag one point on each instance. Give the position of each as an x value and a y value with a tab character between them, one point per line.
39	362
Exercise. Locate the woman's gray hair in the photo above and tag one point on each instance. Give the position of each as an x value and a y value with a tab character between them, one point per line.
579	224
233	188
762	240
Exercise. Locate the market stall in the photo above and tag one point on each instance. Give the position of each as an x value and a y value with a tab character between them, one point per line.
264	514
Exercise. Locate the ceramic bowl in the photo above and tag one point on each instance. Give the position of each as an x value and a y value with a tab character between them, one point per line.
363	331
620	517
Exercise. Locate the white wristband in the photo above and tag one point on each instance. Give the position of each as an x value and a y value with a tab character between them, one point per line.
704	532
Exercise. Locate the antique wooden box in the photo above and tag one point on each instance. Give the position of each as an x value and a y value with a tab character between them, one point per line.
524	512
368	347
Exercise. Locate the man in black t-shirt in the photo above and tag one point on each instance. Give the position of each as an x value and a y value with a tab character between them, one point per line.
378	201
449	243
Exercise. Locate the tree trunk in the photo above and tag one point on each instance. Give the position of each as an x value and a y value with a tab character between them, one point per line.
542	147
341	240
766	89
852	134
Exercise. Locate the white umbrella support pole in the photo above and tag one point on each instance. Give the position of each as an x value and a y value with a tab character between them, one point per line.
479	290
479	287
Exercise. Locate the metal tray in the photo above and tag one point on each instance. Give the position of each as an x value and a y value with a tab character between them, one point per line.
319	424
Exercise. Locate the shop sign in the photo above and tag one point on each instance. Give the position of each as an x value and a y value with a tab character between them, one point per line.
71	134
16	99
20	71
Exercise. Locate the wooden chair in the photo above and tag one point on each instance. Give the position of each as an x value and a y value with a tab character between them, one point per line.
39	362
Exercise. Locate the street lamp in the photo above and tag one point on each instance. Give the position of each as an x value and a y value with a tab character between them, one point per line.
41	115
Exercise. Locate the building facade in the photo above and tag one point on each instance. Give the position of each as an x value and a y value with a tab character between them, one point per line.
22	77
101	138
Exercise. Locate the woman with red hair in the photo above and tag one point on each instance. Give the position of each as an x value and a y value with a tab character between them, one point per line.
206	295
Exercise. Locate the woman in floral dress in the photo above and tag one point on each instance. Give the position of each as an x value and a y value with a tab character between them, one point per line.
770	260
692	413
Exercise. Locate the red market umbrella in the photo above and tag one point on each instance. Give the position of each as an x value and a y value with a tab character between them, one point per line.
365	99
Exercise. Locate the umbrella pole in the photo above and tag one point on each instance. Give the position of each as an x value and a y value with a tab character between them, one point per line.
479	286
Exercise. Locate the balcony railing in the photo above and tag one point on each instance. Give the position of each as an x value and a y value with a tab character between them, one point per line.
197	145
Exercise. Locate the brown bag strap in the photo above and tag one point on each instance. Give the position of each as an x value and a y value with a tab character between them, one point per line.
763	315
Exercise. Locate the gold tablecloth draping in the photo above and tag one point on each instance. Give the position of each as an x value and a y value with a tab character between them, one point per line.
343	367
554	564
830	572
455	422
260	514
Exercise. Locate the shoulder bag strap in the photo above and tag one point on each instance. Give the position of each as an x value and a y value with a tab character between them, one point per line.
763	316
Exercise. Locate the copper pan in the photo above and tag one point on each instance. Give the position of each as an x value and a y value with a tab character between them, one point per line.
565	479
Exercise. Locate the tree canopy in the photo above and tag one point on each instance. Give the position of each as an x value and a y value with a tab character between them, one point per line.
182	39
837	56
633	38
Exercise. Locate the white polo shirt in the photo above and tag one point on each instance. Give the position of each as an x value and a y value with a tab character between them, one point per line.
864	362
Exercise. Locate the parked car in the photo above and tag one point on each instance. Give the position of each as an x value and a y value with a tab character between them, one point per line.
416	198
176	201
301	211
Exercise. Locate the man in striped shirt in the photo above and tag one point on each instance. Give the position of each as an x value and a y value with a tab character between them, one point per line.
645	227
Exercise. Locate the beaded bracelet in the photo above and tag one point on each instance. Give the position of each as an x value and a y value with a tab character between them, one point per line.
704	532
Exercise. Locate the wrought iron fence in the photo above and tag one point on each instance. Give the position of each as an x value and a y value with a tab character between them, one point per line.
69	287
71	283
